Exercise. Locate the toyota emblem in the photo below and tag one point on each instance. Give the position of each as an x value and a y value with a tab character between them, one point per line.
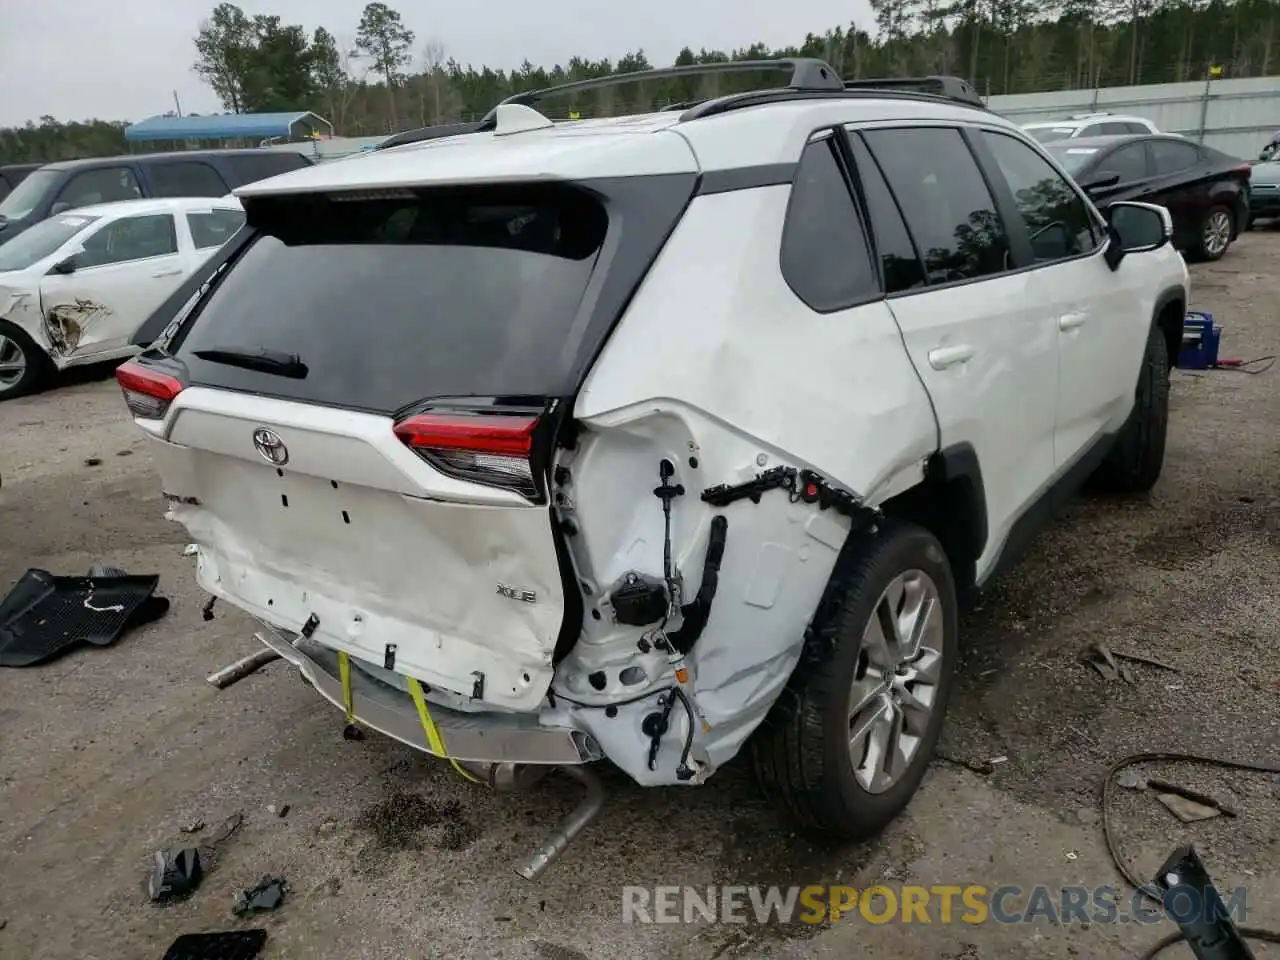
270	446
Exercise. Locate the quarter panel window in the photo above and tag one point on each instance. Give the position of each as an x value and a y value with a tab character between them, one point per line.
214	228
1058	223
945	201
825	259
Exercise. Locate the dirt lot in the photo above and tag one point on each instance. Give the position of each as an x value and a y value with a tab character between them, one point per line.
107	754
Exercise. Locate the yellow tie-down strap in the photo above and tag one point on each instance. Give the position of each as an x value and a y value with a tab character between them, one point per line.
435	742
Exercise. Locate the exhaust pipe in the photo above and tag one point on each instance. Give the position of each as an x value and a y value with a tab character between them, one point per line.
535	865
235	672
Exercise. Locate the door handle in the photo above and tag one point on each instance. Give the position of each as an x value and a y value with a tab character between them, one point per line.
1070	321
168	273
941	358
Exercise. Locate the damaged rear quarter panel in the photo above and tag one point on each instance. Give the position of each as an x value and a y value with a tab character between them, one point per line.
762	380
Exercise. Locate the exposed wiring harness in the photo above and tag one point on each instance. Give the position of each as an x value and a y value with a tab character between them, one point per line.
1143	887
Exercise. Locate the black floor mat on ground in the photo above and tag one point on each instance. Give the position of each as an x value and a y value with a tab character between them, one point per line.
45	616
236	945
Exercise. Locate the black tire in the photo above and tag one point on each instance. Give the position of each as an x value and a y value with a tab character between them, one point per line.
1135	462
1201	250
800	753
38	365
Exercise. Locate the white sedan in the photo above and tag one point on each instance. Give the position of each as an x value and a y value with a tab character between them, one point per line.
75	287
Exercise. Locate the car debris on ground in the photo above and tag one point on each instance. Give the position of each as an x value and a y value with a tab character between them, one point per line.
268	894
176	874
45	616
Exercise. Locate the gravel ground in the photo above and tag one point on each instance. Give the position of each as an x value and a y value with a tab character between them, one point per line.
106	755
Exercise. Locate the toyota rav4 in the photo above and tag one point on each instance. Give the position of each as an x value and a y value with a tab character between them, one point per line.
658	438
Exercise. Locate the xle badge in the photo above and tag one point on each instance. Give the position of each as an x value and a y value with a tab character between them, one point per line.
515	593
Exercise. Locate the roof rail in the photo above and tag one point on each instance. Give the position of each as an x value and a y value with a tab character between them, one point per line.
430	133
949	88
806	74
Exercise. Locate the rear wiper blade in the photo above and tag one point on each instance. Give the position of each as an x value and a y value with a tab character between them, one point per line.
263	361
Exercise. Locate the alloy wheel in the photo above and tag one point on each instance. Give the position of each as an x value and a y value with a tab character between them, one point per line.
895	685
13	362
1217	233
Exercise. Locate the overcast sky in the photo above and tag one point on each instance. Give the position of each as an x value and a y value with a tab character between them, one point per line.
122	59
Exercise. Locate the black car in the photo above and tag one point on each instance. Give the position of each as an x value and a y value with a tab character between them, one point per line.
1205	190
12	174
65	185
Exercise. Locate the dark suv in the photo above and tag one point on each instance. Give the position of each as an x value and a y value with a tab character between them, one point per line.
12	174
57	187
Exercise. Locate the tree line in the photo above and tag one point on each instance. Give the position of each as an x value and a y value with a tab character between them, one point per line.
380	77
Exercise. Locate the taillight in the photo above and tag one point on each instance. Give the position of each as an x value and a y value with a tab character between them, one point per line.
490	449
147	392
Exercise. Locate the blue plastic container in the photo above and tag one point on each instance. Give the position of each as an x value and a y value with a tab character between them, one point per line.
1200	339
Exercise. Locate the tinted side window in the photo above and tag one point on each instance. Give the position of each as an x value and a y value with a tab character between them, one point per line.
214	228
824	251
1133	127
130	238
188	178
1058	223
1130	163
1114	128
945	201
248	168
104	185
1170	157
899	262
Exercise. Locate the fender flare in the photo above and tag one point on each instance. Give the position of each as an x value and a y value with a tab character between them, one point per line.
1172	332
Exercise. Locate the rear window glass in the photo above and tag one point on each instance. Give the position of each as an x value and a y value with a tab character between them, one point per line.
392	301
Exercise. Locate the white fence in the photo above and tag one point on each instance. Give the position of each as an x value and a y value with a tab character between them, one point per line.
1235	116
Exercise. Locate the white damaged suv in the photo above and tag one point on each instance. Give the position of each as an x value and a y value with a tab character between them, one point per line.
655	438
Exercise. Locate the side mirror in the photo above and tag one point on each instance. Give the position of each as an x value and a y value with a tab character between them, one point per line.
1136	228
60	207
1100	182
65	267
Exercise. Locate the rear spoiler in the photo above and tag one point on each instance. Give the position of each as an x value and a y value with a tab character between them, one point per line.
165	314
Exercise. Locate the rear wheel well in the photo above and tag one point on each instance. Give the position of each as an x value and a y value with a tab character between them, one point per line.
951	504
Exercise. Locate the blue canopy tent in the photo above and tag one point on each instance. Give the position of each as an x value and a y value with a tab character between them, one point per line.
230	126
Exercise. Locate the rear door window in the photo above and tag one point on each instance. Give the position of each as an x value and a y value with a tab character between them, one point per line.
1169	156
102	185
1129	163
447	293
945	201
825	259
1112	128
899	262
186	178
214	228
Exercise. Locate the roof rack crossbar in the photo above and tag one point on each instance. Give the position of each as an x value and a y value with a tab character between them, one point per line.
806	74
950	88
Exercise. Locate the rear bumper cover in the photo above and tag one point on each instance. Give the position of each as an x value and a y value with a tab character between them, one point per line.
480	738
